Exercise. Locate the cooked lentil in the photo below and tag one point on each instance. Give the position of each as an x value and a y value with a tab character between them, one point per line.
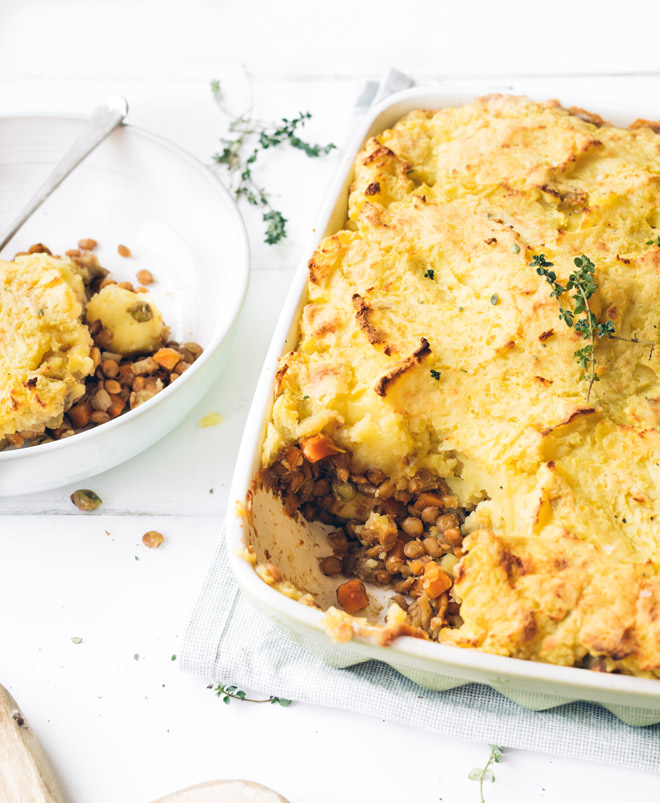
404	534
113	388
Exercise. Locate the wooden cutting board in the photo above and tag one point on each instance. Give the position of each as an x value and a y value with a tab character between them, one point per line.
25	774
27	777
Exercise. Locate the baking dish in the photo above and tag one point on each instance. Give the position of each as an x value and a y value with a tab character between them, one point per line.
295	547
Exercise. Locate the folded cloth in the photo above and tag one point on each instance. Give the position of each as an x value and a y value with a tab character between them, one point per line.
231	642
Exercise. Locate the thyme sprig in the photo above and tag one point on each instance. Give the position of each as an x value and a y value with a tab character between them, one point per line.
575	312
229	693
485	773
239	152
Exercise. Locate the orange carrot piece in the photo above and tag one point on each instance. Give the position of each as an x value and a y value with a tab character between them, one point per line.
317	447
435	581
79	414
429	500
352	595
167	358
116	407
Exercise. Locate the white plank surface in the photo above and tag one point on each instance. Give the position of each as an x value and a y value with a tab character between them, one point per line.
117	728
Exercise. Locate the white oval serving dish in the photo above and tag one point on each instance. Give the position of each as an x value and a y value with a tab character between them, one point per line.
178	220
293	545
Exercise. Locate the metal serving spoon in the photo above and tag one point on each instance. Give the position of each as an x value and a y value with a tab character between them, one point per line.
103	121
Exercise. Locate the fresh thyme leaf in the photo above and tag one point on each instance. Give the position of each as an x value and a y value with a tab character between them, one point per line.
494	299
515	248
40	312
435	374
276	230
229	693
76	639
305	396
430	274
485	773
655	241
577	314
239	152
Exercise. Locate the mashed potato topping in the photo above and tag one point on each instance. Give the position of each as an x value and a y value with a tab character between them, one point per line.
44	345
428	342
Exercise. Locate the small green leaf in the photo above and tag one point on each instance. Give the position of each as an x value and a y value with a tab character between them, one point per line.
173	658
515	248
435	374
76	639
476	774
494	299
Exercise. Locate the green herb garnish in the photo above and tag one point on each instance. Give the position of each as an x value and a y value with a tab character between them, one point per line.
430	274
515	248
229	693
655	242
485	773
435	374
40	313
239	151
577	315
494	299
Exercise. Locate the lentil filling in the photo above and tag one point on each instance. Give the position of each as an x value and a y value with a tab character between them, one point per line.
119	383
402	534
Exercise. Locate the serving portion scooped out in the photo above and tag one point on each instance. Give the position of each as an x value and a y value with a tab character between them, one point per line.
433	413
76	348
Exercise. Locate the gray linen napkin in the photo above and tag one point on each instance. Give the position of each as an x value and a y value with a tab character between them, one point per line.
229	641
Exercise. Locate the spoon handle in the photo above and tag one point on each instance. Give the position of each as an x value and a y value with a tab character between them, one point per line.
105	119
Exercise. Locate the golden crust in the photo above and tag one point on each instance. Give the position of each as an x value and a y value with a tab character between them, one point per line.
445	212
44	346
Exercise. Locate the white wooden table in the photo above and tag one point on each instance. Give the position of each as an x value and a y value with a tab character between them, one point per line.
116	717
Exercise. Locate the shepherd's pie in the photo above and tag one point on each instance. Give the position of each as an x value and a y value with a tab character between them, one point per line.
433	412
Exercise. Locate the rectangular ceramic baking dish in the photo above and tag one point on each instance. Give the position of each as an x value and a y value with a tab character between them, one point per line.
295	547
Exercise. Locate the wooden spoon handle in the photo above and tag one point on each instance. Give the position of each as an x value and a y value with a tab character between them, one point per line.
25	774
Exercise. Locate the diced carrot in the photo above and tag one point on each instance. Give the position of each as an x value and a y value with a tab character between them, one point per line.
79	414
429	500
167	358
352	595
116	407
293	456
435	581
317	447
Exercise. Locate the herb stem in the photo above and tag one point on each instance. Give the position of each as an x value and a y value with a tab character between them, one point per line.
590	325
229	693
635	340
